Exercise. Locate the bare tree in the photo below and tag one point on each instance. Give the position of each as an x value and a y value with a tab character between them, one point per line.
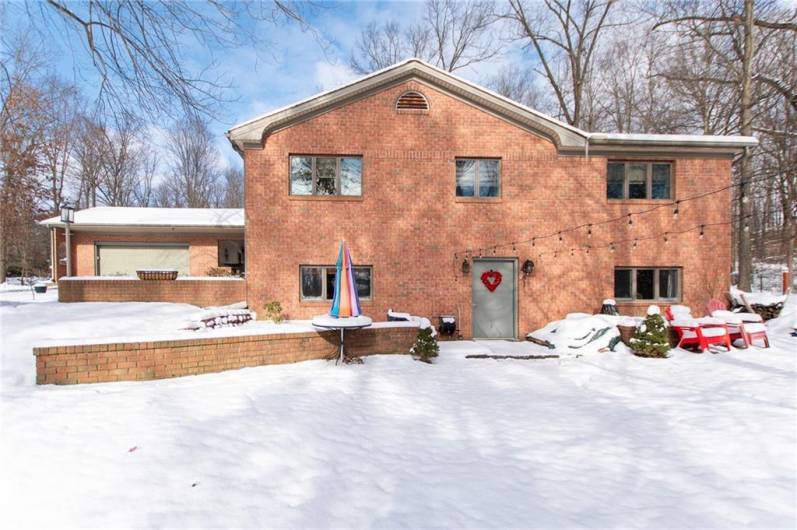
563	36
451	35
90	155
136	47
233	193
123	156
735	31
517	84
194	178
62	106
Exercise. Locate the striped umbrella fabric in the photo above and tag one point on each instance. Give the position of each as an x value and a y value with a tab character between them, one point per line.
346	302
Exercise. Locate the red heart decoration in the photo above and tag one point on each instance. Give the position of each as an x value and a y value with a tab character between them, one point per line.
491	280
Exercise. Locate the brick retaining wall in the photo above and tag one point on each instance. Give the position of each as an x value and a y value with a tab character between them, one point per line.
202	293
97	363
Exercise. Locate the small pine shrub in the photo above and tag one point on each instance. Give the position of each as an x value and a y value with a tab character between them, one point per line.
425	348
650	339
274	312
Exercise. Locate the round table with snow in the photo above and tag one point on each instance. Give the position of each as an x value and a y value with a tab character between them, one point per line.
341	325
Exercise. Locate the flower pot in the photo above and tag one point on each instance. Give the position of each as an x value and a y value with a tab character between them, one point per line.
157	274
626	332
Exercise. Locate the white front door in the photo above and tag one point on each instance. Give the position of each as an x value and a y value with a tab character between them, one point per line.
494	298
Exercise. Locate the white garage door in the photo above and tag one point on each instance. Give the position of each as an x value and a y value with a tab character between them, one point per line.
124	260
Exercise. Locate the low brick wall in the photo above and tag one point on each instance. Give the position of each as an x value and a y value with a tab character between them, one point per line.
202	293
136	361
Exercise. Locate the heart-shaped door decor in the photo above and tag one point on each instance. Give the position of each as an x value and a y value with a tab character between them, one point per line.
491	280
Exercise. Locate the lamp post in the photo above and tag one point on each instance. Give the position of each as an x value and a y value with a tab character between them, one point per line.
68	217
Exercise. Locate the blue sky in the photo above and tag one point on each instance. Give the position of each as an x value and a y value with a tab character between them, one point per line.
293	65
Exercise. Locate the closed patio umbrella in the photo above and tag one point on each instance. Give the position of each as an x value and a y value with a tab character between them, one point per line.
346	302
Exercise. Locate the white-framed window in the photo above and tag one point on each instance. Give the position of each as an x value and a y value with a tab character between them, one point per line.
647	283
478	177
326	175
318	281
639	180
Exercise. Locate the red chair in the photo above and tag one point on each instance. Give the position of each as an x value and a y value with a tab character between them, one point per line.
702	332
748	327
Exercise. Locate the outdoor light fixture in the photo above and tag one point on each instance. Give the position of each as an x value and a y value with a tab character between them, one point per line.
465	266
528	267
68	217
67	213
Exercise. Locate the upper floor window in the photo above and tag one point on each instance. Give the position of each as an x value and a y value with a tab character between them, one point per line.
478	177
318	281
639	180
326	175
647	283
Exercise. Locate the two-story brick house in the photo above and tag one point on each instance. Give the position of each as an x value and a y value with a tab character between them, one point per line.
414	166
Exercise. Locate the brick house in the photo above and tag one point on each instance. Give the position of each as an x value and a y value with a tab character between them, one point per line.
435	182
413	166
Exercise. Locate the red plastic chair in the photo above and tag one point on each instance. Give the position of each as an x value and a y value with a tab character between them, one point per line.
746	326
693	332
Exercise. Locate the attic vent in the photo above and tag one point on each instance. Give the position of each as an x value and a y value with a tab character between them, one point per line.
412	101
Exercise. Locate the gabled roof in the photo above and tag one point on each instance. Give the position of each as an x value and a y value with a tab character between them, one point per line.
568	139
116	216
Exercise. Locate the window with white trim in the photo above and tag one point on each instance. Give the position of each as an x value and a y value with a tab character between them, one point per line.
647	283
318	281
326	175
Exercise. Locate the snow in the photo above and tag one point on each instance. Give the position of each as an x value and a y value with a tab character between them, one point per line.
133	216
597	441
179	278
580	333
328	321
756	297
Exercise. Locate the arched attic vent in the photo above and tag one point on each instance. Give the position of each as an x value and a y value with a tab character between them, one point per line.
412	100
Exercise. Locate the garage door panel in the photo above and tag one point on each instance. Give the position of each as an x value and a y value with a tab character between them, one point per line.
124	260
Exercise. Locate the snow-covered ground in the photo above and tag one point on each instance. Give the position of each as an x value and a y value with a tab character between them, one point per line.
601	440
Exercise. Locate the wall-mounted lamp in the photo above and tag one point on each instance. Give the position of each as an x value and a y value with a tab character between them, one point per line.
528	267
465	266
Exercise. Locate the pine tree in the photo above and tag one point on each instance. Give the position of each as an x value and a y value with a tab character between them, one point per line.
650	339
425	347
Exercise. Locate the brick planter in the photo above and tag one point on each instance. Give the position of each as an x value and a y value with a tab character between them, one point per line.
136	361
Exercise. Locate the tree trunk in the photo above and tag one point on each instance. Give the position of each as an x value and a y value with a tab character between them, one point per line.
744	249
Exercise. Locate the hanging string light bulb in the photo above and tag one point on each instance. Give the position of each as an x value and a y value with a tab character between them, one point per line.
702	231
666	239
560	237
611	246
514	247
571	252
630	220
676	210
633	247
589	230
533	241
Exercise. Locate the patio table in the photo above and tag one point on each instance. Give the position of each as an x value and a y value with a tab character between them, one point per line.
341	325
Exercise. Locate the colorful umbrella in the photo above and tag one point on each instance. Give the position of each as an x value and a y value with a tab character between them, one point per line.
346	302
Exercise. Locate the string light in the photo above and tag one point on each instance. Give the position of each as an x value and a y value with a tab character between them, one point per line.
572	252
666	239
676	211
589	230
533	241
611	246
514	247
630	221
560	237
635	244
702	231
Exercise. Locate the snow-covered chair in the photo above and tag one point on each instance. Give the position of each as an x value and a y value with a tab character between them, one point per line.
700	332
746	326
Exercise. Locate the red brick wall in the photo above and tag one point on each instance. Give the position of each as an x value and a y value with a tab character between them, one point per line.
409	223
98	363
203	249
201	293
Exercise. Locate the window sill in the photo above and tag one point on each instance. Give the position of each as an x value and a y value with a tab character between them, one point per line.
620	301
479	199
332	198
328	303
640	201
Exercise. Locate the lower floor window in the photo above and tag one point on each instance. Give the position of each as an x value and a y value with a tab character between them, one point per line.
645	283
318	281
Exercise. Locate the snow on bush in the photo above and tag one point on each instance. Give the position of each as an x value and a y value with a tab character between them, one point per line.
582	332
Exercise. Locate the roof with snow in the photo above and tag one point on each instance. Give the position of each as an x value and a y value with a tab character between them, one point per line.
568	139
113	216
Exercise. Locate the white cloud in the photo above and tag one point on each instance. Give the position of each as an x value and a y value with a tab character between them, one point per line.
329	76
